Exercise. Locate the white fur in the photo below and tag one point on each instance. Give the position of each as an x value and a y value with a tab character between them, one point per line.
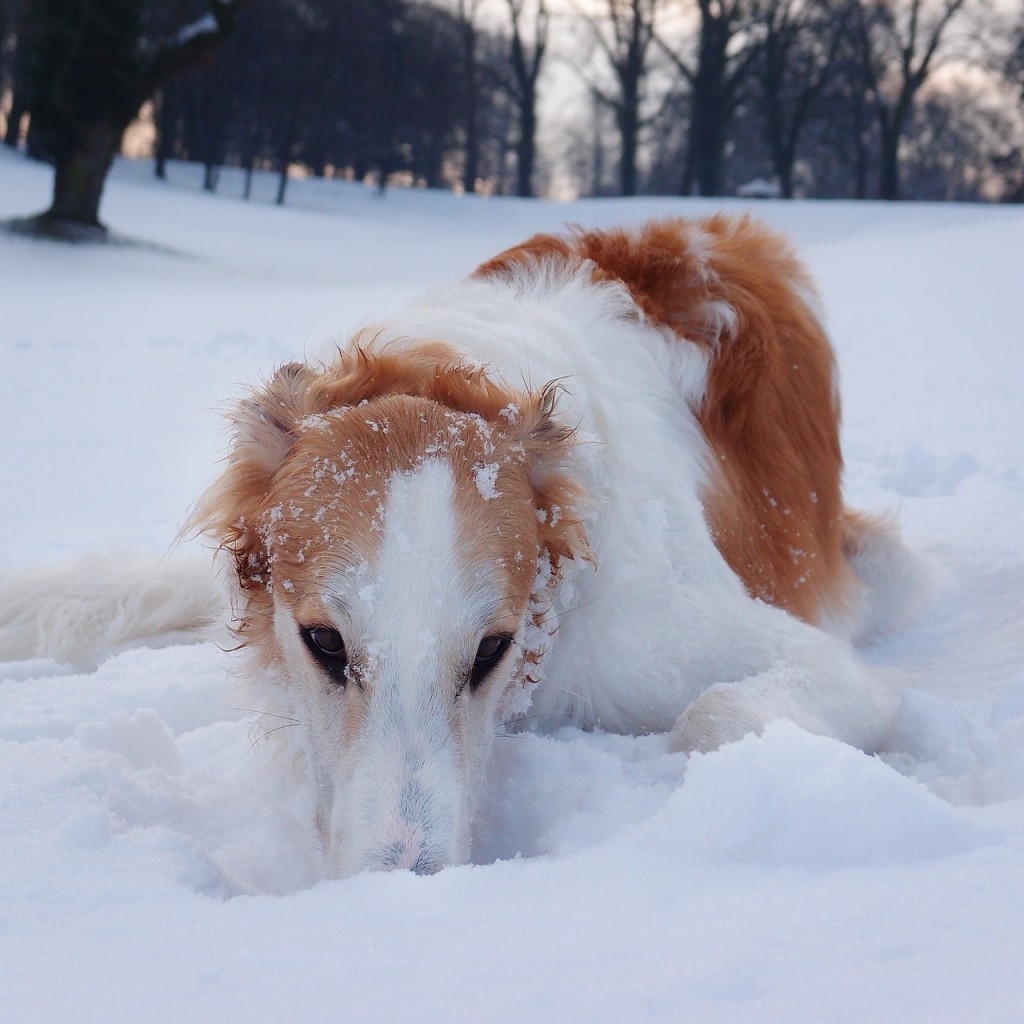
664	618
401	793
897	580
81	611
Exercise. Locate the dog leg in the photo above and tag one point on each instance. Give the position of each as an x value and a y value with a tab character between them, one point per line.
826	692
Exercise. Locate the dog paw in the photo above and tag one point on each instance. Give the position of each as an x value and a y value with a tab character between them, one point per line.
724	714
729	711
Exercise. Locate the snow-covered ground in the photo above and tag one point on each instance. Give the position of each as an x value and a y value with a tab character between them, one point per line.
154	868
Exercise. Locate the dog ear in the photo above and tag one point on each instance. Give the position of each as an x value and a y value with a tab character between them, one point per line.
265	423
264	426
561	498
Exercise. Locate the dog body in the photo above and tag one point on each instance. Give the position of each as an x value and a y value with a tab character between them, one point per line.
597	482
648	612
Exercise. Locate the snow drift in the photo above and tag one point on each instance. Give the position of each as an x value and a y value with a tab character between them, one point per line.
158	859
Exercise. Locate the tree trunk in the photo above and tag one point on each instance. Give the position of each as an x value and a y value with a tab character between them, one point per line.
711	111
527	71
163	140
526	151
889	169
782	146
861	163
471	166
85	152
627	161
860	134
889	175
703	171
80	175
597	151
629	135
17	112
784	172
471	108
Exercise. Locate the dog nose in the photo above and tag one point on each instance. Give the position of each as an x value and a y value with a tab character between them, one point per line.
426	864
409	856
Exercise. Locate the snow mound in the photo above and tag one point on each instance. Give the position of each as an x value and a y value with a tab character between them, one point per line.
791	800
968	752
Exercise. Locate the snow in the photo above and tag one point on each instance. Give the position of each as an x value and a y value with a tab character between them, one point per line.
486	477
204	26
154	865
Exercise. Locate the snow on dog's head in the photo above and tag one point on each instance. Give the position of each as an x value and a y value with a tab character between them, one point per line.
390	523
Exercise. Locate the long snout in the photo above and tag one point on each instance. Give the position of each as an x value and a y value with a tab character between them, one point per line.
421	833
405	805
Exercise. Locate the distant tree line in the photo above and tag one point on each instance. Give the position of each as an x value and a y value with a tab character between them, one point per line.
829	98
361	87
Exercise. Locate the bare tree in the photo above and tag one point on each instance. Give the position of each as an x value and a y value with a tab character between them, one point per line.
526	56
900	44
430	97
625	35
961	143
467	12
356	87
800	41
725	53
92	71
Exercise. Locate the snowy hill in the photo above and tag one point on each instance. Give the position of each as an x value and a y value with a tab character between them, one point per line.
155	868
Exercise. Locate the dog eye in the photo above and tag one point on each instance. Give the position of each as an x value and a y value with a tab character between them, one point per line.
491	650
327	641
328	649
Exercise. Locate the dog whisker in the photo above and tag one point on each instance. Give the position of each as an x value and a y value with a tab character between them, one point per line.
270	714
561	614
573	693
267	733
277	728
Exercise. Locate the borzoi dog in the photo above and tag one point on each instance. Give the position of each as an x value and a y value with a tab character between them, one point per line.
597	483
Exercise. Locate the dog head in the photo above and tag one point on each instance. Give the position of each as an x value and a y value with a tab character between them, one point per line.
393	520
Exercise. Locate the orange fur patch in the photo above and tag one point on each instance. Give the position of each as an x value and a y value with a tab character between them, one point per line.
326	509
306	478
771	412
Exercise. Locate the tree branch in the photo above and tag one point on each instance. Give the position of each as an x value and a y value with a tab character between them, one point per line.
191	45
